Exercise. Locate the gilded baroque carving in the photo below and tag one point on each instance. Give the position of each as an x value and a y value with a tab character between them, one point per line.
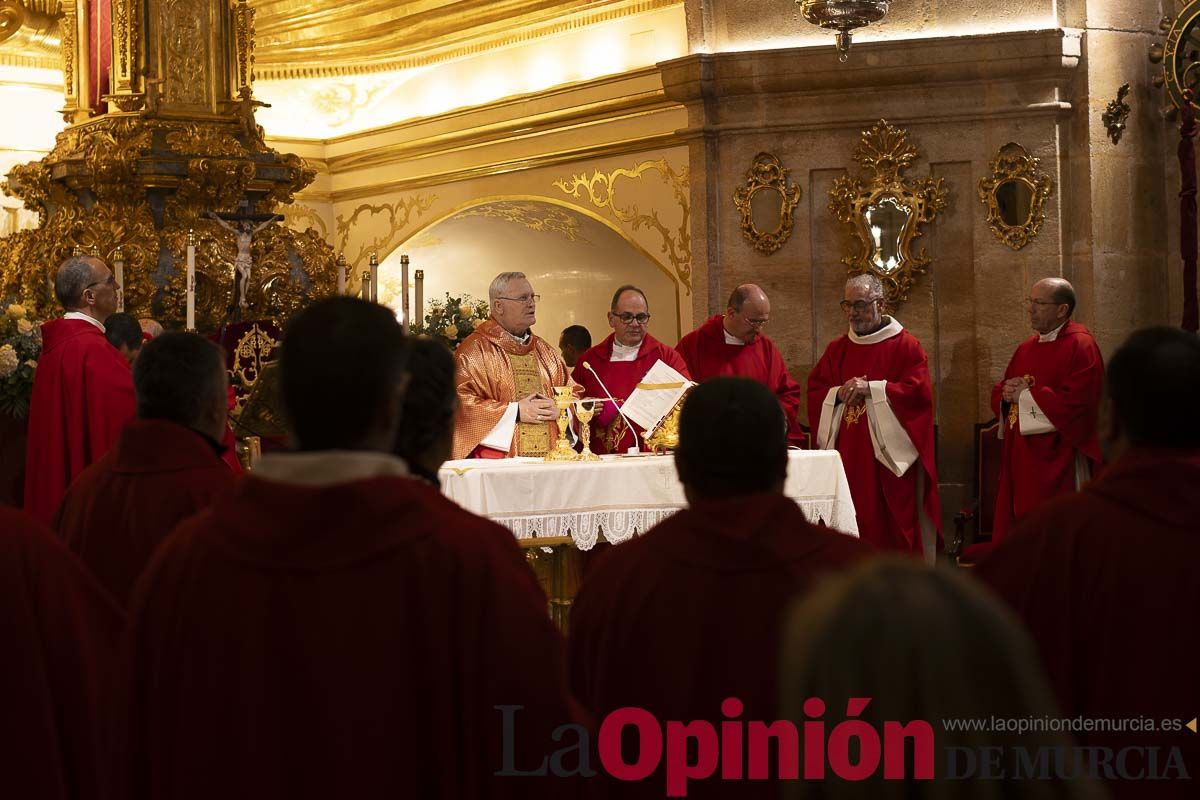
204	141
1116	115
399	214
539	217
244	36
66	28
300	217
767	174
120	20
1015	195
885	211
183	24
601	193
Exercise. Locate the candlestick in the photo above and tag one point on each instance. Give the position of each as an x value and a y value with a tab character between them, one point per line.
419	299
341	273
366	285
191	280
373	263
404	326
119	274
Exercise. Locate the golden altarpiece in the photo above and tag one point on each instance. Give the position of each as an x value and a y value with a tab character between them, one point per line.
161	135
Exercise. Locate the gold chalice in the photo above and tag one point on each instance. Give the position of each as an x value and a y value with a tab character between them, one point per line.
563	398
584	410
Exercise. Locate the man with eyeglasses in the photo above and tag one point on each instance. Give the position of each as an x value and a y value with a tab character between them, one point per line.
871	399
733	344
82	390
505	377
621	361
1048	404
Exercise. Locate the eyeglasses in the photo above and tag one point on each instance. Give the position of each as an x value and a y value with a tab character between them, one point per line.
757	323
859	306
110	281
629	319
528	299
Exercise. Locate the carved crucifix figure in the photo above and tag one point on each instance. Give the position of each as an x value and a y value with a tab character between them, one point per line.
242	262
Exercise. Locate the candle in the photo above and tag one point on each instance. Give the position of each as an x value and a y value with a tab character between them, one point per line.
119	274
404	326
366	285
419	299
191	280
374	265
341	273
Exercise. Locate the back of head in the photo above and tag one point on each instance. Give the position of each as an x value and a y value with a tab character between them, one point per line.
179	377
151	327
578	337
500	284
427	422
1153	364
122	329
342	351
73	277
923	644
732	439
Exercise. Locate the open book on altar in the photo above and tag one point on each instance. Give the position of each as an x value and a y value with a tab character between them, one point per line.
655	395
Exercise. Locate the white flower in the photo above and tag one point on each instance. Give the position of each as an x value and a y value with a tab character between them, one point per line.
8	361
24	327
451	332
16	312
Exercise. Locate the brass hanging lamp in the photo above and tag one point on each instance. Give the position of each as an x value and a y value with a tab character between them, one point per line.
843	16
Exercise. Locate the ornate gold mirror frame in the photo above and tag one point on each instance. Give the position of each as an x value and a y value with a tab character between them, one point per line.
884	212
1015	195
767	174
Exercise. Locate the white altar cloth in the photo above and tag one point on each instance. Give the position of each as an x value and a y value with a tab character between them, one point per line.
620	497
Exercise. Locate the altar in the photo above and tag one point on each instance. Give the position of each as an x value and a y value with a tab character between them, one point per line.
559	511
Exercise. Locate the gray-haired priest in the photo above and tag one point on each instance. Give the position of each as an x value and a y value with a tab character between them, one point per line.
505	375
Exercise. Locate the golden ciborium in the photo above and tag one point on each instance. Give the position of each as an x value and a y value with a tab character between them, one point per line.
584	411
563	398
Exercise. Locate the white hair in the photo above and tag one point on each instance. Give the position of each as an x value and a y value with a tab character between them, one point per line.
869	282
500	283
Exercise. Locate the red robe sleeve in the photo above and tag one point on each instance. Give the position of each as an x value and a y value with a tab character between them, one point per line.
820	381
688	350
911	398
61	636
1073	403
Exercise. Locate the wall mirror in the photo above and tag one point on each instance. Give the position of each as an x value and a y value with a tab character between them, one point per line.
884	211
1015	195
767	203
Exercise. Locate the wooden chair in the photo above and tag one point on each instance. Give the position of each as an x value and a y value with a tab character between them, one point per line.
973	525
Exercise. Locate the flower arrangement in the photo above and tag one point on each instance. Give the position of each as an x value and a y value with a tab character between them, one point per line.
20	346
454	319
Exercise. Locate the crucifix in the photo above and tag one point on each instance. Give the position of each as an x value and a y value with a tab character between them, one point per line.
242	263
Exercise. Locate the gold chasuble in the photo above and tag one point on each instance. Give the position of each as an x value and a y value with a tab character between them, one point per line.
493	369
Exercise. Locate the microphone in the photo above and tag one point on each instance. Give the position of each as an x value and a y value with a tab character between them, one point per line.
637	448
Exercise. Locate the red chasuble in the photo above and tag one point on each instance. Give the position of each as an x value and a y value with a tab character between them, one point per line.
886	505
340	641
121	508
1105	581
82	397
610	434
707	355
59	661
689	613
1068	383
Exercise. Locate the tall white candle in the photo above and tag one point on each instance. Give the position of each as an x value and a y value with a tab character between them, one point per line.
119	274
419	299
341	273
191	280
366	285
404	311
374	265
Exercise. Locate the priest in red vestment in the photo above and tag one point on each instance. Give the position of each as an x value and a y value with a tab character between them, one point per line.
733	344
688	614
60	637
621	361
82	390
870	398
336	627
506	376
1048	404
165	466
1105	579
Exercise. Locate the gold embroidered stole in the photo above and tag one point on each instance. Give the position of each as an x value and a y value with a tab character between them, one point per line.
533	438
